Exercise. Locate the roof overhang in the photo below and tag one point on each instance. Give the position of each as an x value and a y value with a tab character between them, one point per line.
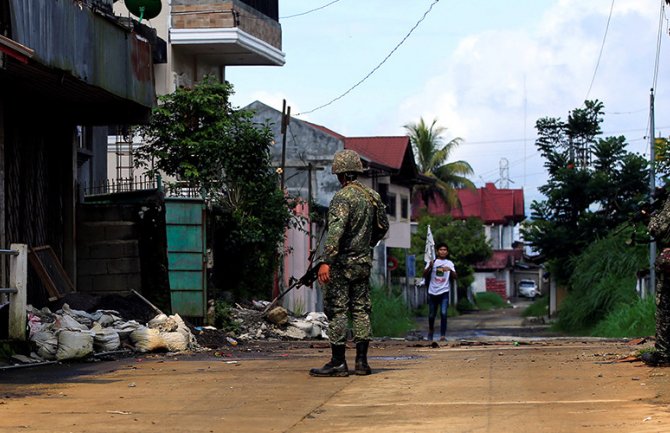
226	46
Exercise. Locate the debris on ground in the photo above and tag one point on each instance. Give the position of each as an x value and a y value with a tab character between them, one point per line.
252	324
69	333
64	332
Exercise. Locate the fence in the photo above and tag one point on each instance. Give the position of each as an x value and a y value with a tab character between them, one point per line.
111	186
413	295
16	294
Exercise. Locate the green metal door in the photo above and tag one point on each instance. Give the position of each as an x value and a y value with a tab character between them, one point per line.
185	225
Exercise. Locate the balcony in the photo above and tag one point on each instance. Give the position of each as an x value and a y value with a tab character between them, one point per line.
227	32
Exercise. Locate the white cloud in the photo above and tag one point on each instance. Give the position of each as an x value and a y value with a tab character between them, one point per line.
497	83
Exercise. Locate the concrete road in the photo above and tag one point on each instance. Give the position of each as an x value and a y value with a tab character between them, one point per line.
489	384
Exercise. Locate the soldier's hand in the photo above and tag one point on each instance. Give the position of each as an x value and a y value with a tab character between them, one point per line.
324	273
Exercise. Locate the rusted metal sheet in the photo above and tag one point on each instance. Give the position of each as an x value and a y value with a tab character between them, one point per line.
91	46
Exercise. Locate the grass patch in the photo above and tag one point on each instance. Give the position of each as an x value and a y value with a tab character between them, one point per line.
489	301
390	315
629	320
539	308
602	283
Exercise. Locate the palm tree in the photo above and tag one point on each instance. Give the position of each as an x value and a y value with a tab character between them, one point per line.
432	154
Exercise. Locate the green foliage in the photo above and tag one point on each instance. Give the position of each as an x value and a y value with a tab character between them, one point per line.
223	318
432	154
603	281
539	308
489	301
637	319
594	185
195	135
464	304
390	315
465	238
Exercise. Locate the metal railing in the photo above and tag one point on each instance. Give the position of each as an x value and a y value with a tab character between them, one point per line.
16	294
111	186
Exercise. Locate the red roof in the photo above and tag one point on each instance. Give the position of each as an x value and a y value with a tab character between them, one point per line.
389	151
490	204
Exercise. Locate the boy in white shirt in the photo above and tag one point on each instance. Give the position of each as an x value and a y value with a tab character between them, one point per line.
440	271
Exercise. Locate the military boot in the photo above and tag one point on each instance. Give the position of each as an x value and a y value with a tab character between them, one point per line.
336	367
362	367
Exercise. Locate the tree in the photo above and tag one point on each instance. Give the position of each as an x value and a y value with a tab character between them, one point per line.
466	240
594	186
197	136
432	155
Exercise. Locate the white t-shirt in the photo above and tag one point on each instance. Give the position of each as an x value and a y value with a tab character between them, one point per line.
439	281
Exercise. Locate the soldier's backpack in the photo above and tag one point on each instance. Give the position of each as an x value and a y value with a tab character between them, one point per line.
381	223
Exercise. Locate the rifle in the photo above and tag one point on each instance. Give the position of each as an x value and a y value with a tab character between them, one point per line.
306	280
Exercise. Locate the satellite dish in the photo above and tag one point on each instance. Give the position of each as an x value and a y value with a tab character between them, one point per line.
144	9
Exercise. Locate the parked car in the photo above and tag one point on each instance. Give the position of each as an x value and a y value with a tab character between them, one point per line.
528	289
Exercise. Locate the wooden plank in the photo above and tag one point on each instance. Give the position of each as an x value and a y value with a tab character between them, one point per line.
190	304
51	272
184	238
186	280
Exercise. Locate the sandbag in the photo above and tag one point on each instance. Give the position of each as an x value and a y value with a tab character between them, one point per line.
74	344
68	322
46	343
105	339
147	340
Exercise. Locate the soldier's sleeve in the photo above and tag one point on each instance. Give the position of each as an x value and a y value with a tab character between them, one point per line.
337	220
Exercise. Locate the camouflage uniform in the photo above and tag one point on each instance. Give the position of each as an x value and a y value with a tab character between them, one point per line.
348	251
659	228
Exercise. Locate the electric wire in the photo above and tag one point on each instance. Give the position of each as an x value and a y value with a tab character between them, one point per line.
309	11
602	46
658	45
376	67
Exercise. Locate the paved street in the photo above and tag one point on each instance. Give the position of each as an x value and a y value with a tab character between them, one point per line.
483	384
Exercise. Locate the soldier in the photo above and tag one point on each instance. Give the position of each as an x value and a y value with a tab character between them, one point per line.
659	228
356	222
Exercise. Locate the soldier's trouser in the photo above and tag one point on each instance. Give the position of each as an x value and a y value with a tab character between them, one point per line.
348	292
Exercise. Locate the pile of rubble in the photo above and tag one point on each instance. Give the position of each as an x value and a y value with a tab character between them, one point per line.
69	333
277	323
75	334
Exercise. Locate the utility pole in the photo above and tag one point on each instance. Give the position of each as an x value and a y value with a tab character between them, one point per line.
652	189
285	119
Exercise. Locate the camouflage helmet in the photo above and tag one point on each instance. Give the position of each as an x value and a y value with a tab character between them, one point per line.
346	161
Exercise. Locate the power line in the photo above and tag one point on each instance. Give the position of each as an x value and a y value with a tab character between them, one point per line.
658	45
602	46
376	67
309	11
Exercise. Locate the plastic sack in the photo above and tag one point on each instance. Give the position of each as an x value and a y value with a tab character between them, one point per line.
147	340
74	344
47	344
105	339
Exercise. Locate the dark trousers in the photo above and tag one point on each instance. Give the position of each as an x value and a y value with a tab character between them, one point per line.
433	302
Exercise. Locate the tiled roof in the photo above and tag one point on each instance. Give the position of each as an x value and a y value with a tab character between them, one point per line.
490	204
389	151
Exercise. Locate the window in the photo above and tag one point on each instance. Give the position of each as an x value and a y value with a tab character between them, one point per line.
390	205
404	207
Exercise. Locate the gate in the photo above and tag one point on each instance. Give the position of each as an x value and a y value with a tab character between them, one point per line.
186	250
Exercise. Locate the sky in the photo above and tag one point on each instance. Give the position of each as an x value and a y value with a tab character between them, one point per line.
487	70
